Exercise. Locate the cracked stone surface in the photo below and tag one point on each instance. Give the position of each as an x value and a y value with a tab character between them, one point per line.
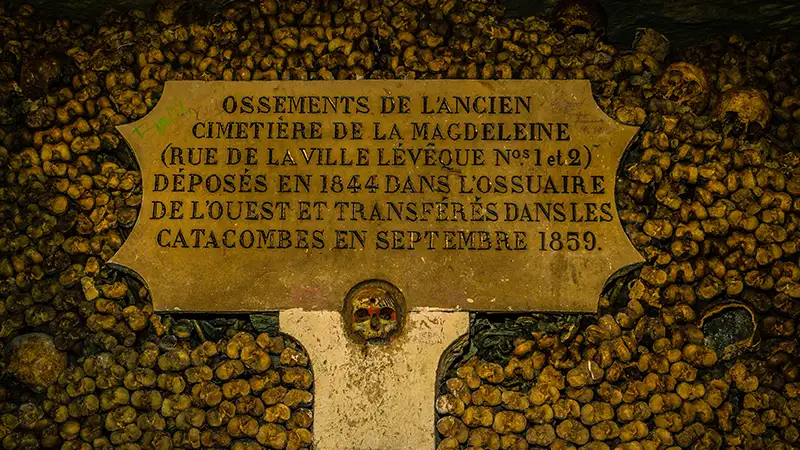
372	396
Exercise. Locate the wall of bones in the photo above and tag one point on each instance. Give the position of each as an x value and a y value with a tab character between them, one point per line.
698	348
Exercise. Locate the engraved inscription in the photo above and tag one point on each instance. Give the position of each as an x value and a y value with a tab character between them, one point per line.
486	195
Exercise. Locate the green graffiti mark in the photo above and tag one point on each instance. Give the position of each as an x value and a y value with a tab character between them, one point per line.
164	121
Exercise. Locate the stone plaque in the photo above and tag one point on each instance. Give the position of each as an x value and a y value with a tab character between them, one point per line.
465	194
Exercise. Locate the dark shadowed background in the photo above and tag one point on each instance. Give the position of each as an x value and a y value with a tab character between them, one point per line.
682	21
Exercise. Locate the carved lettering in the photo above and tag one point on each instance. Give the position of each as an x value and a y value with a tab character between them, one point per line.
486	195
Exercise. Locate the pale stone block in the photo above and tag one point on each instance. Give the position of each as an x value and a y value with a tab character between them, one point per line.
372	396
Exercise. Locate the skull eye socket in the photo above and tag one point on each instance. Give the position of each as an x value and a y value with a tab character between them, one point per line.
361	314
387	314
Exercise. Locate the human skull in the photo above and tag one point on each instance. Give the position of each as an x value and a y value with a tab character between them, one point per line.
41	71
167	11
730	328
750	105
651	42
579	16
374	311
685	84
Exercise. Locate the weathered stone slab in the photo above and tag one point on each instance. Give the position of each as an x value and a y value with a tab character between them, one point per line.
369	397
465	194
372	214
